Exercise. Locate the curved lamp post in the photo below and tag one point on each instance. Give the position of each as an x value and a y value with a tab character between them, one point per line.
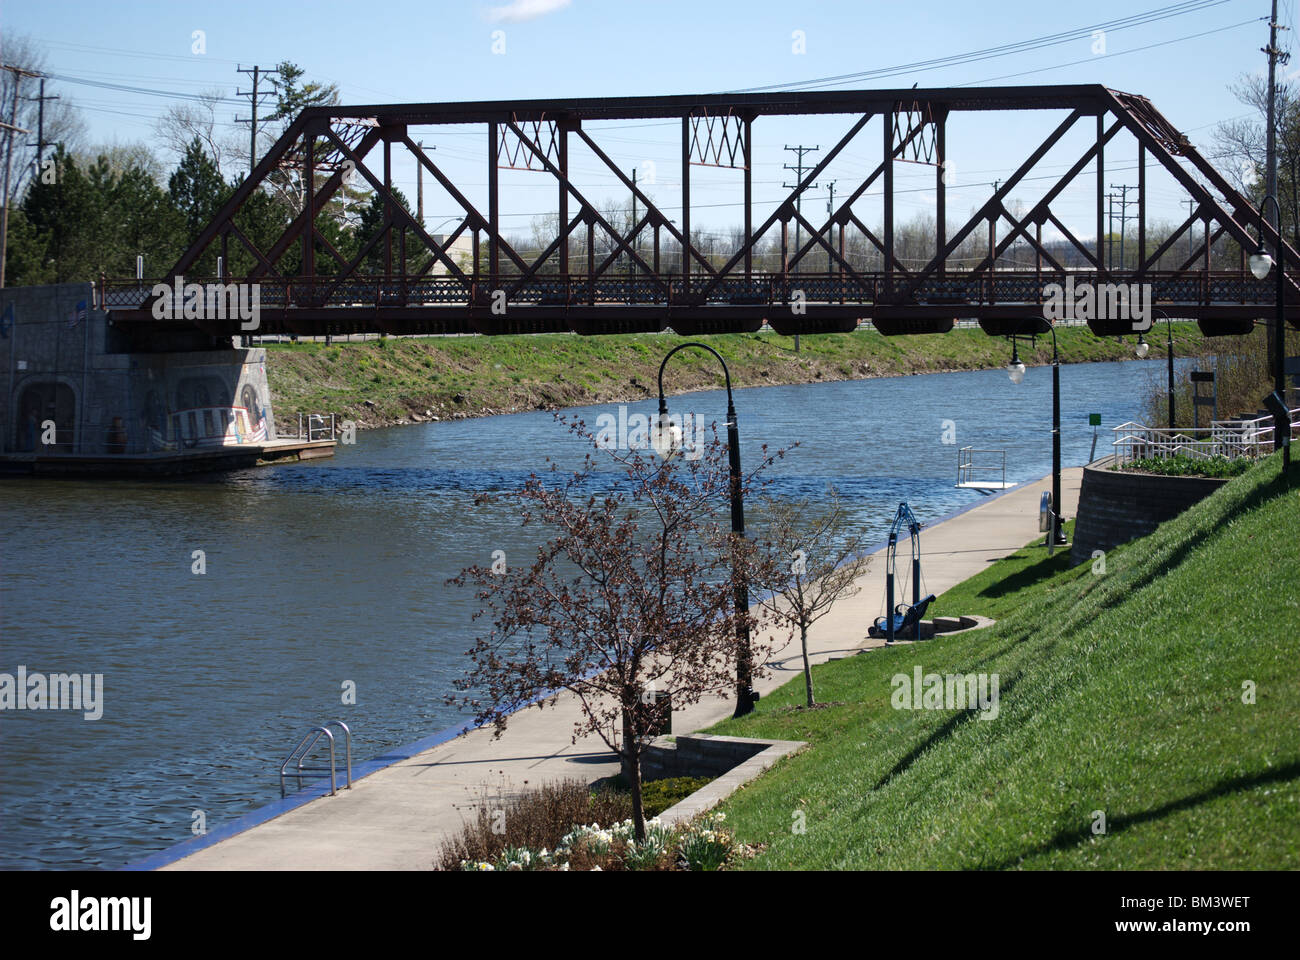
745	695
1143	347
1260	264
1016	371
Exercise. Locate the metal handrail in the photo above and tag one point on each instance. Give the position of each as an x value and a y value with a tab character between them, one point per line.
966	465
1227	438
304	748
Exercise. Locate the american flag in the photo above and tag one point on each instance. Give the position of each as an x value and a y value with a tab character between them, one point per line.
78	315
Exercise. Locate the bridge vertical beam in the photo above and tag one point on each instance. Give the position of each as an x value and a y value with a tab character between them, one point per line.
563	131
309	202
686	203
1101	186
888	157
388	204
749	213
493	217
785	250
1142	203
940	192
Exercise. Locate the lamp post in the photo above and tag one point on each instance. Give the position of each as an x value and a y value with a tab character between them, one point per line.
1169	356
745	695
1260	264
1016	371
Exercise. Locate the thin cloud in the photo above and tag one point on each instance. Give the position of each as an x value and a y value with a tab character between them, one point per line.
518	11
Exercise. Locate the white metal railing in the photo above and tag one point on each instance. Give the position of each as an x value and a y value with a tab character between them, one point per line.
1222	438
315	426
995	467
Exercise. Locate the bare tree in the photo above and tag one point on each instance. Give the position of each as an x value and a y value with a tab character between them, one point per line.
63	123
818	558
182	123
631	596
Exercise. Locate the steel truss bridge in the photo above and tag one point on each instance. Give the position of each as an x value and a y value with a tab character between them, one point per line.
632	289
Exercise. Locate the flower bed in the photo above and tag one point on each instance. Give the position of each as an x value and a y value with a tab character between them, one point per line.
1216	467
558	827
701	845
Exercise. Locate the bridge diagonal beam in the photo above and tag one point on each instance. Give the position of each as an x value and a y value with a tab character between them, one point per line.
400	211
844	210
349	271
1141	118
999	195
659	219
818	239
786	207
536	265
480	222
252	248
591	210
294	231
245	190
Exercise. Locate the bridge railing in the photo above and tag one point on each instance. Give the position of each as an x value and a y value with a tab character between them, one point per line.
953	288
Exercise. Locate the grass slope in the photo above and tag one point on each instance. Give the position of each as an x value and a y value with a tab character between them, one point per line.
402	376
1120	692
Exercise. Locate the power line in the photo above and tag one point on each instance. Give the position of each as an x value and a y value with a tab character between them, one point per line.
1023	46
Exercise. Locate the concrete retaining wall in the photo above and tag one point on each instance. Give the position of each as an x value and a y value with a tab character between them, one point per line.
697	755
1116	507
62	360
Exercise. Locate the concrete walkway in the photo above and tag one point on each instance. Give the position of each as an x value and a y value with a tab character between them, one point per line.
397	817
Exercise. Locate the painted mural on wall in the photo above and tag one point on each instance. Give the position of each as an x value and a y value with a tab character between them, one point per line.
203	414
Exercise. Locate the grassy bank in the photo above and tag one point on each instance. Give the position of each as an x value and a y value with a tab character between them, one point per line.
1120	691
381	382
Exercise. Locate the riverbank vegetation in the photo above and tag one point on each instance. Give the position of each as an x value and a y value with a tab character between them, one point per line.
1146	717
379	382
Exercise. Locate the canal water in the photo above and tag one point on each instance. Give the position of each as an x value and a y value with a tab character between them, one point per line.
326	573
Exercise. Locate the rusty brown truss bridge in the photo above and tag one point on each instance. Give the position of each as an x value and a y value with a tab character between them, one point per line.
632	289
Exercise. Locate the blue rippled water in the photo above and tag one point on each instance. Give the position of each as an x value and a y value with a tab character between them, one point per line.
335	571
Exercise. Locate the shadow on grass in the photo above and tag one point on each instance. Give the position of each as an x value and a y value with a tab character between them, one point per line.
1255	499
943	733
1044	569
1067	839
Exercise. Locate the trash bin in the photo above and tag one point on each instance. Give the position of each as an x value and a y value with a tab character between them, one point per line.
656	714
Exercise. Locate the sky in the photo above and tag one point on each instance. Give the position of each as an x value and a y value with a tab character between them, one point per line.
1183	59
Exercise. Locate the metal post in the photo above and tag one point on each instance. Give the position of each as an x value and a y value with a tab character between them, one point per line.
889	590
745	695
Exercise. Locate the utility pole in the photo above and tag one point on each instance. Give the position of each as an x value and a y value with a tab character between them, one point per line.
1275	56
254	98
631	262
830	239
1123	189
13	130
40	124
798	169
419	187
1191	231
1110	229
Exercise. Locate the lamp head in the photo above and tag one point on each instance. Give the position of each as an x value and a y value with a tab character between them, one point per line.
1015	369
665	436
1260	263
1143	348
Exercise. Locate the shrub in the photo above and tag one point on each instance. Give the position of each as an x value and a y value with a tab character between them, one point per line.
536	820
1216	467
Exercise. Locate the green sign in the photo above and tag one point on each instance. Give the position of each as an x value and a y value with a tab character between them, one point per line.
1094	419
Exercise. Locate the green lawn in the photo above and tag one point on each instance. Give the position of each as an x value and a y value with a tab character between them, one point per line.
1120	692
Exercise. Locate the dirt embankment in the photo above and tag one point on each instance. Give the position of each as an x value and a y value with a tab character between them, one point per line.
393	381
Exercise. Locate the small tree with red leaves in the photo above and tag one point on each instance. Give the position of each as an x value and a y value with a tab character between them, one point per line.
632	596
